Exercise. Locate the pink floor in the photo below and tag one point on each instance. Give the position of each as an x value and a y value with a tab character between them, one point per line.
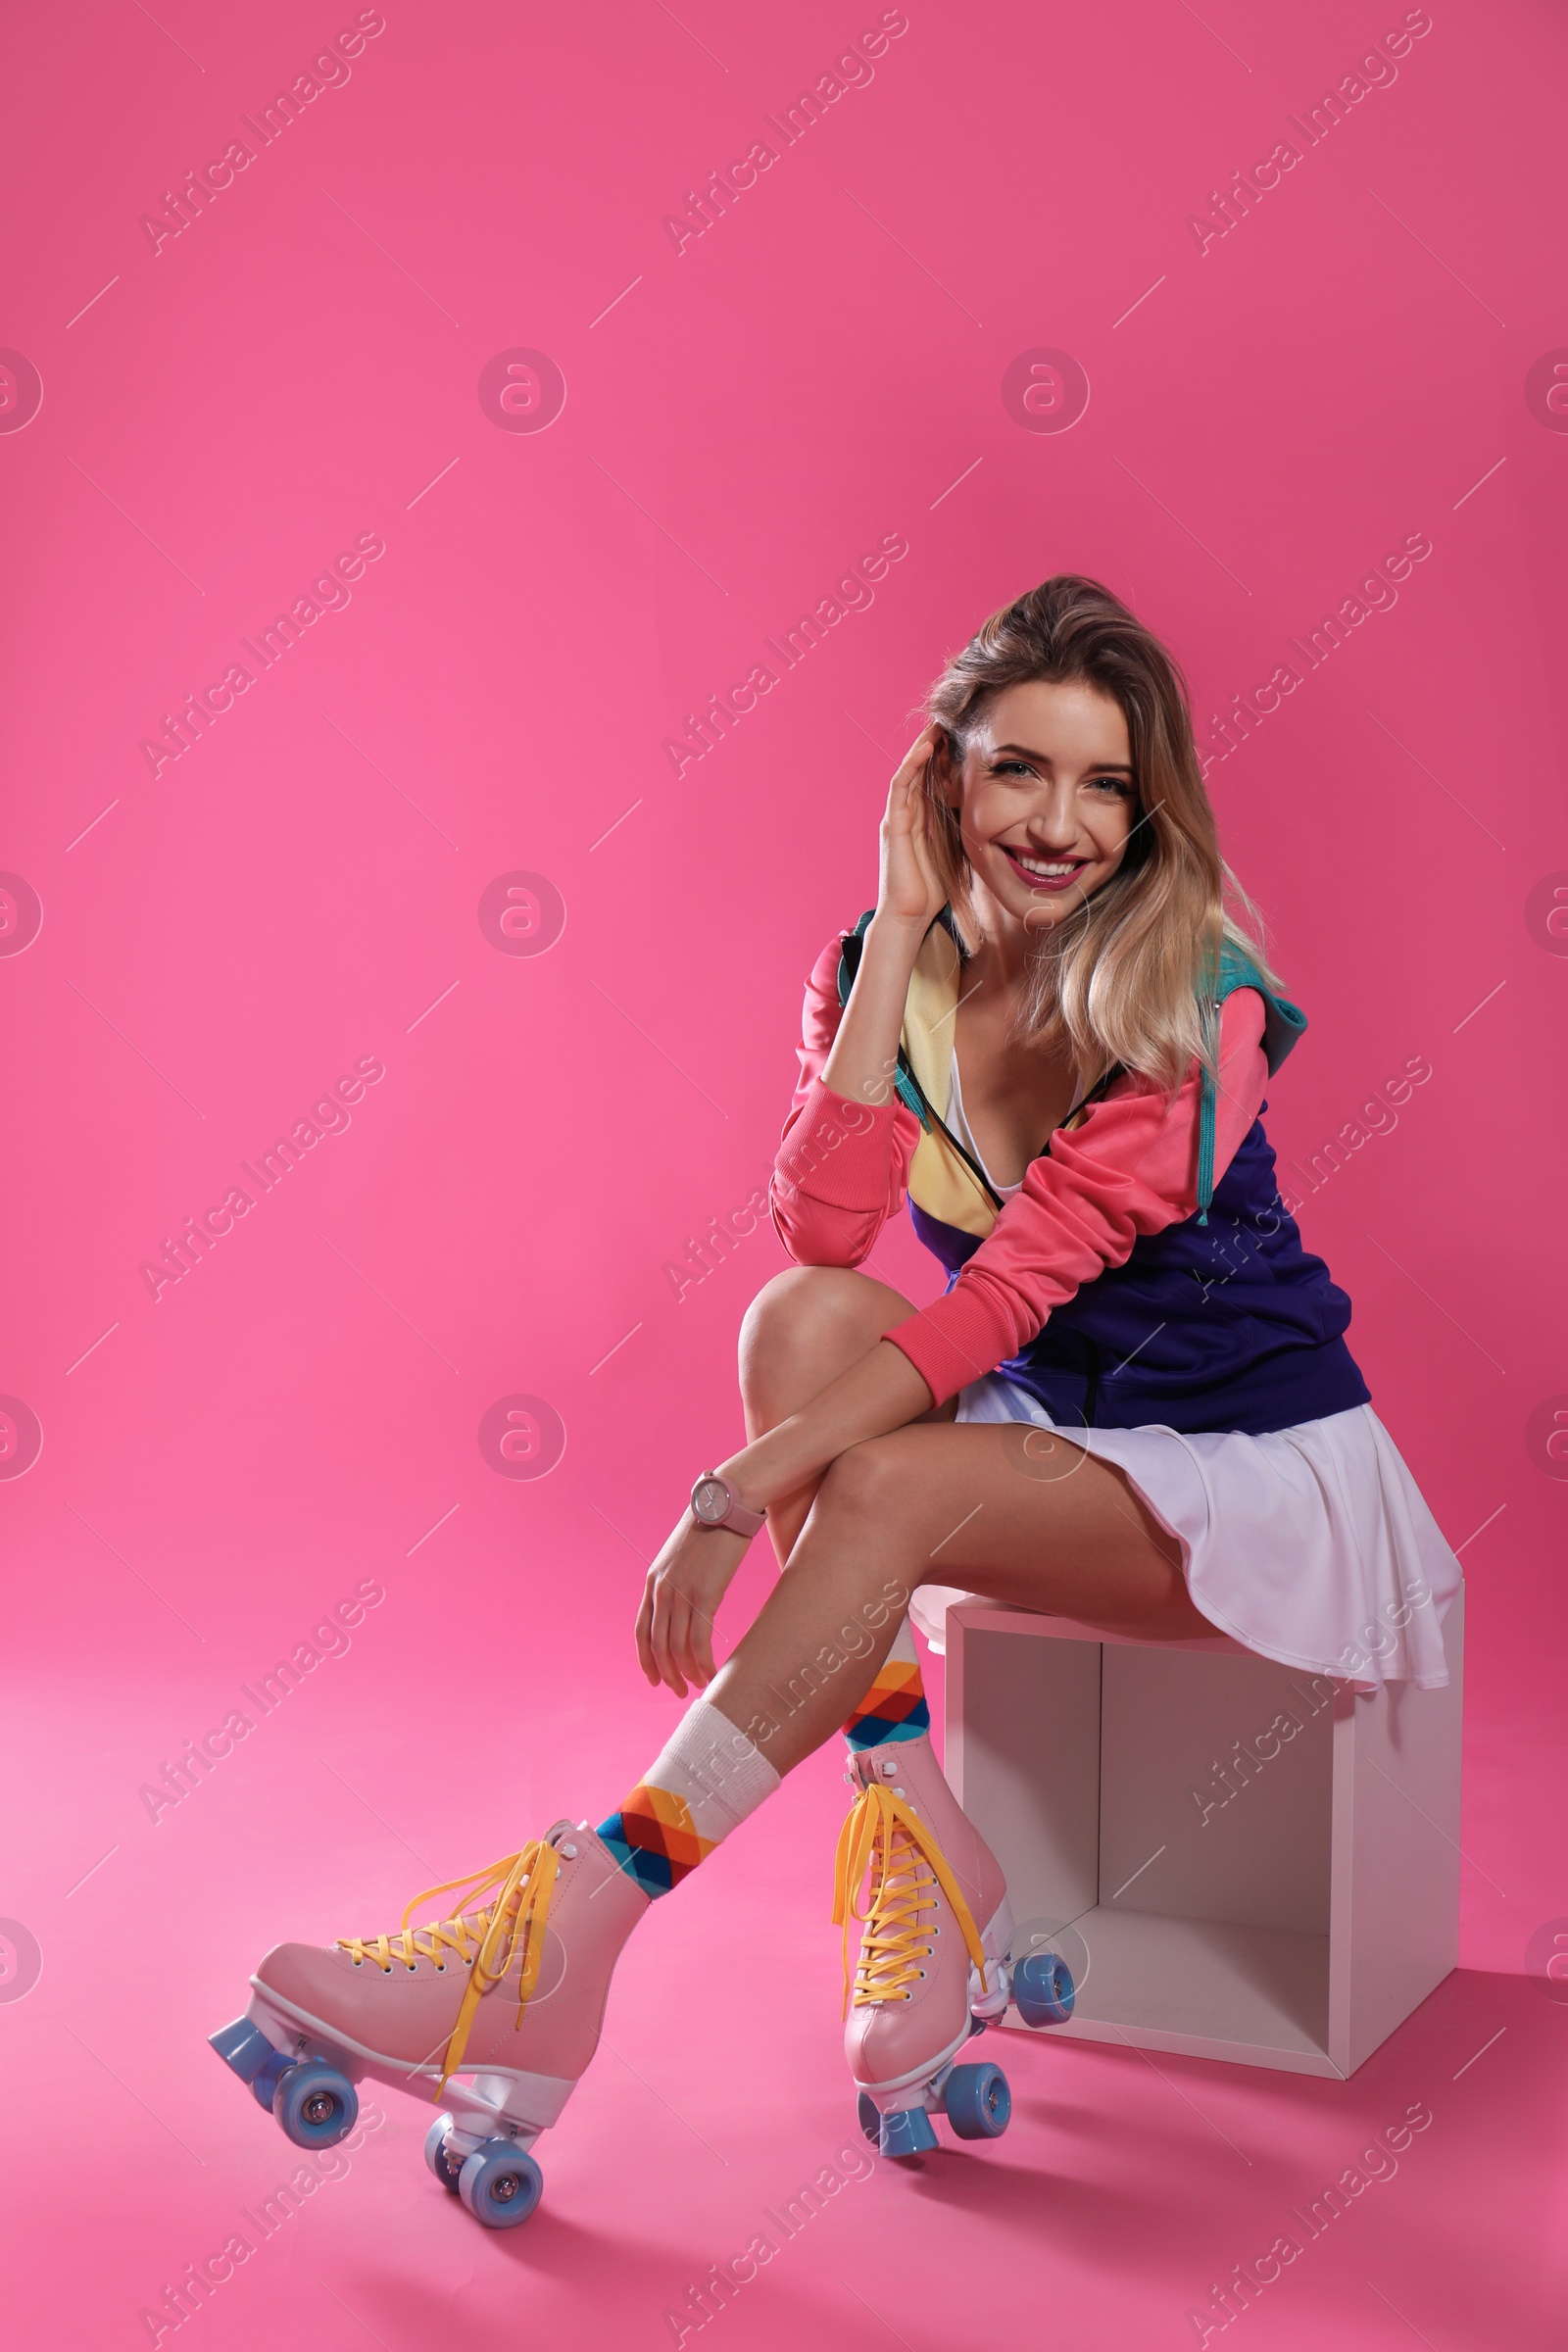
1125	2191
1006	306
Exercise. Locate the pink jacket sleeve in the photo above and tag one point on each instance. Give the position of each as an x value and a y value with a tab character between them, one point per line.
842	1165
1131	1168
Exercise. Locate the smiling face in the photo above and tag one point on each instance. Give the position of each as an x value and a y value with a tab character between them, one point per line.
1047	800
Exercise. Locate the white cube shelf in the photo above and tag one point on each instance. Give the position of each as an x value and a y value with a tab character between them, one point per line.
1236	1860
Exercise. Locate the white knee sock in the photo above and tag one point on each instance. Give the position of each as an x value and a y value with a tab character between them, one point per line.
723	1774
703	1786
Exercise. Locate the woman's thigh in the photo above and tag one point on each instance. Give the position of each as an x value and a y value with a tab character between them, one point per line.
1040	1526
1018	1514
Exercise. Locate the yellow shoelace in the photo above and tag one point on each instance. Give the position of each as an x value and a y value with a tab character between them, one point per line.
519	1887
882	1834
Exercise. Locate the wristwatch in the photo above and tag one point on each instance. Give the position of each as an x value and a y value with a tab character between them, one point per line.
716	1503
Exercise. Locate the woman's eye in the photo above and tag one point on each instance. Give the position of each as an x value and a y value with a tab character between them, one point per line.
1117	784
1010	768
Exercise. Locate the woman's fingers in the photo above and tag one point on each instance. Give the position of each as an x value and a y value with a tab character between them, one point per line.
645	1631
921	750
702	1650
685	1629
683	1639
680	1645
689	1655
908	771
666	1603
675	1622
678	1631
910	886
921	832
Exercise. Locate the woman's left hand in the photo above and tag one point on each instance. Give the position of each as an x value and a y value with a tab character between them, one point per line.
680	1600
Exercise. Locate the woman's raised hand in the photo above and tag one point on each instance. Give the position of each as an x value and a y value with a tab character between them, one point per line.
864	1056
911	890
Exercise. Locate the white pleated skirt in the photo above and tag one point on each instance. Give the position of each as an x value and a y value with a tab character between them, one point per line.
1311	1546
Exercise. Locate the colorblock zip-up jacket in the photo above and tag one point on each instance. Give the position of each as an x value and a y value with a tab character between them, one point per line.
1147	1272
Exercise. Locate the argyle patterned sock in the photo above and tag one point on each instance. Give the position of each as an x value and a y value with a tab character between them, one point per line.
894	1708
704	1785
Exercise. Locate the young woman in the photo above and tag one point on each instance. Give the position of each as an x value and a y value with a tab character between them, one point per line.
1133	1406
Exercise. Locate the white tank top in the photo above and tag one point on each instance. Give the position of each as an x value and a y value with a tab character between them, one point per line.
959	1125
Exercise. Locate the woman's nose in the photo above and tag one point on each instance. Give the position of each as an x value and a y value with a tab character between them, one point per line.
1054	820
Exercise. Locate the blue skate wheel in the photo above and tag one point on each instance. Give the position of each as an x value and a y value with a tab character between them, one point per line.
978	2101
1043	1990
436	2157
500	2184
316	2105
909	2133
264	2081
871	2117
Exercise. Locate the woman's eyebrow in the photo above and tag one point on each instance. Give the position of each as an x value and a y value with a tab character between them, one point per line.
1120	767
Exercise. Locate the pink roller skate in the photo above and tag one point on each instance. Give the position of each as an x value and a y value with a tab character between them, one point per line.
509	1992
929	1976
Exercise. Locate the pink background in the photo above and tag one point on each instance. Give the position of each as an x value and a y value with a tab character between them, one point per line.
1268	417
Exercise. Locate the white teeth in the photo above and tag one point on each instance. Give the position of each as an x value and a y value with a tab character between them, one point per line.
1036	865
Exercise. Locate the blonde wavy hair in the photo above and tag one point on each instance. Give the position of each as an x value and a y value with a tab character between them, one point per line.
1130	977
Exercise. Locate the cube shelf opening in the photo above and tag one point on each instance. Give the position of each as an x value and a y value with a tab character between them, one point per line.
1238	1860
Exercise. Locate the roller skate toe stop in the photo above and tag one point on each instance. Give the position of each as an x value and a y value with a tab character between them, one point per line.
908	2132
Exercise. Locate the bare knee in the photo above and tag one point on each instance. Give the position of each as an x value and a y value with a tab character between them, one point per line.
808	1300
863	1507
803	1329
865	1492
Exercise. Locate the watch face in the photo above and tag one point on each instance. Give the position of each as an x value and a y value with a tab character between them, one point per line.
710	1500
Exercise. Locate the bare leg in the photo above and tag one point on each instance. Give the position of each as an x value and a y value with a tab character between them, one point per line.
963	1505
